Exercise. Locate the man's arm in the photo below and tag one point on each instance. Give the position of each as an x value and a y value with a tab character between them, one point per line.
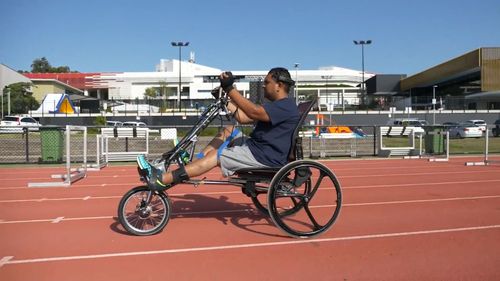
239	114
252	111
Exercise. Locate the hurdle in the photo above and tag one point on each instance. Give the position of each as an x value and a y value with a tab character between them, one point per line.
447	148
101	160
485	161
72	174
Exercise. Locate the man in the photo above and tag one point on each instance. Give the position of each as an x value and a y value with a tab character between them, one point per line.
268	145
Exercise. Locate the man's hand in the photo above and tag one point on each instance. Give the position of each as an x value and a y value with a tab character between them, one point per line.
226	81
215	92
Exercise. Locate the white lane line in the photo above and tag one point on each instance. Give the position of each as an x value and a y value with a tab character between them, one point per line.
61	199
252	245
340	177
57	220
254	210
420	201
239	192
5	260
419	184
26	221
416	174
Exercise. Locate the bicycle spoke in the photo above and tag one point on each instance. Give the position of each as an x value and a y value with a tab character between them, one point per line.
318	183
311	217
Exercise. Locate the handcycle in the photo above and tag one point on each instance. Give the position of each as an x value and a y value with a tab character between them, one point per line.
302	198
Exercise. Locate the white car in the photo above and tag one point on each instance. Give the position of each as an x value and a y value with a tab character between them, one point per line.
17	123
114	123
416	124
134	124
465	130
480	123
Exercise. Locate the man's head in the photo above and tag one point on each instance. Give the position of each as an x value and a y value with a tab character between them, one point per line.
277	83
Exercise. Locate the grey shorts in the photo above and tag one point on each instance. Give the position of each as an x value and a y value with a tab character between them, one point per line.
237	157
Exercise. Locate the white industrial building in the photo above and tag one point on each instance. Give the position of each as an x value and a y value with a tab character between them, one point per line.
335	86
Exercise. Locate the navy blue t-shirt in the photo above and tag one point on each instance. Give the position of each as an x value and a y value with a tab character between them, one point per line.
270	141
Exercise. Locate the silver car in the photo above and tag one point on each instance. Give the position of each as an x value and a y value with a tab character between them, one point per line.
480	123
465	130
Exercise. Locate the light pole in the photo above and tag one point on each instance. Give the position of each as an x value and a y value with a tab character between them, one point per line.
296	65
3	91
434	104
362	43
180	45
326	94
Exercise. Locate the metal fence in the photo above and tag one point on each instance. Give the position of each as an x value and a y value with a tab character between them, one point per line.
29	146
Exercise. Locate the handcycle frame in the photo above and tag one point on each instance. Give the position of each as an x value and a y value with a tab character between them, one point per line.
294	181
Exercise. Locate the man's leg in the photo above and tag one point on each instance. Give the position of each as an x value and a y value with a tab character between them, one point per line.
193	169
217	141
159	181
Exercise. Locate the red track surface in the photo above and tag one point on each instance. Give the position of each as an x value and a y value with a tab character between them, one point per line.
401	220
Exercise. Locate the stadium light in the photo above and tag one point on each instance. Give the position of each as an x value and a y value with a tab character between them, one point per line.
362	43
180	45
296	65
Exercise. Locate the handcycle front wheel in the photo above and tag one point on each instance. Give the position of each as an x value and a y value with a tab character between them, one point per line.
144	212
304	198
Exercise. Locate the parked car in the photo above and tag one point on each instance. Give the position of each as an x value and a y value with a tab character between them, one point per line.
134	124
417	124
480	123
114	123
450	124
465	130
496	131
16	123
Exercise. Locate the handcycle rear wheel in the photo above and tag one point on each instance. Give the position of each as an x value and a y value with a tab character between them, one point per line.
141	215
304	198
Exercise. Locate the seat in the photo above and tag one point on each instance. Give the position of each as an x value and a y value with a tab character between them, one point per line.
294	154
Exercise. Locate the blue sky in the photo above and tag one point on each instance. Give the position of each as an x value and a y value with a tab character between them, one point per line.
102	35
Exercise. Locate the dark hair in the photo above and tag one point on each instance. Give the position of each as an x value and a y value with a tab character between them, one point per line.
281	74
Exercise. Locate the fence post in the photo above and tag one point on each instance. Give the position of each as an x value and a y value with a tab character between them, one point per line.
26	132
375	140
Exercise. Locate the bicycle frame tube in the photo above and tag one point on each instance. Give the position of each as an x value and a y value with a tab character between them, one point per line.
205	119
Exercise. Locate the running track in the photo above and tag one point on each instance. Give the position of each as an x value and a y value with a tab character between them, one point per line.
401	220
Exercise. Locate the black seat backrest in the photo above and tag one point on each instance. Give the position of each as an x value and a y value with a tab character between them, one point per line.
296	148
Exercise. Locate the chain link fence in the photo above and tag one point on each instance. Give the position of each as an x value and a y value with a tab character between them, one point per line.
47	145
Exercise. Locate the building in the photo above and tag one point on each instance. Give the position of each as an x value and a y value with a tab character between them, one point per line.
336	87
42	87
469	81
8	76
84	82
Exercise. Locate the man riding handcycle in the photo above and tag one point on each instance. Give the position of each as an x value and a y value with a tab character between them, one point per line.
262	164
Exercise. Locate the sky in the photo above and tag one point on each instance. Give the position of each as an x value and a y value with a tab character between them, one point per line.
129	36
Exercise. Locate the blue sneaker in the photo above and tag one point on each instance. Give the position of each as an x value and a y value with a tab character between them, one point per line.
144	165
154	175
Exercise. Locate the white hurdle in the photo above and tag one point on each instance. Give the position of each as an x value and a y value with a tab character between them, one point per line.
485	161
101	160
71	175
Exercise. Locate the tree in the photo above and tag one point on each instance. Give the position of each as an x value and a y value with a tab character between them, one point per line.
41	65
150	92
21	98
